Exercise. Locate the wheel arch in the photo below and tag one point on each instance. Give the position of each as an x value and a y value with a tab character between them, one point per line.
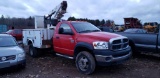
83	46
132	45
29	41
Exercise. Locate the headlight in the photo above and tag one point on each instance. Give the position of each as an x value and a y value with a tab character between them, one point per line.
21	56
100	45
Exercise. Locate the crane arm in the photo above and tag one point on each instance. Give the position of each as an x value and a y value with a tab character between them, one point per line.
58	11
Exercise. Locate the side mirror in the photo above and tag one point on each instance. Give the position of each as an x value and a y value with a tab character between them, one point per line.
61	30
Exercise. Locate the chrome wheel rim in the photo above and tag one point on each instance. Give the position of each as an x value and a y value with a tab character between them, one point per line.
83	63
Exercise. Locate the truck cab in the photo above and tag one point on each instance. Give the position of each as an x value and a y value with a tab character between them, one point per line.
89	46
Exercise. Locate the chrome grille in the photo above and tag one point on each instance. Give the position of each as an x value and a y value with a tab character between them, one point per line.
118	43
12	57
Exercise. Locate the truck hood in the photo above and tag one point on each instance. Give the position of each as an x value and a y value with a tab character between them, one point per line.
97	36
14	50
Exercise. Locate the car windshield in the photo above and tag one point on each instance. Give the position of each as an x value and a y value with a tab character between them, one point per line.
7	41
84	27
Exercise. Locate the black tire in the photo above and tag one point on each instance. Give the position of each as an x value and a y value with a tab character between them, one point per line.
33	51
134	51
89	66
52	52
22	66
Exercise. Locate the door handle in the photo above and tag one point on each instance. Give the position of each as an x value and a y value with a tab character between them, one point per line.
57	37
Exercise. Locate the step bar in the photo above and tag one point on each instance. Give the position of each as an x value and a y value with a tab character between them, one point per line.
65	56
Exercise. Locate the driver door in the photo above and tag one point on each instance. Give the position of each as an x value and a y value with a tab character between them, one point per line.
66	40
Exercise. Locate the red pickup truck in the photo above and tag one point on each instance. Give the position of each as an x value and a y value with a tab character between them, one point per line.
81	41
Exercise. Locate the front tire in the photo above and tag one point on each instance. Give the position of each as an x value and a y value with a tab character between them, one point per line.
85	62
134	51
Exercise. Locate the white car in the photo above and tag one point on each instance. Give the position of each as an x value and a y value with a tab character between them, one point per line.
11	54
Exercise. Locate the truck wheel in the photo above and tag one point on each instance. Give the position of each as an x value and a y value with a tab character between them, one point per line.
134	51
33	51
85	62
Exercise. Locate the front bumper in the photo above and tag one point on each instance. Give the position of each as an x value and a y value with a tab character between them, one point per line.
108	57
12	63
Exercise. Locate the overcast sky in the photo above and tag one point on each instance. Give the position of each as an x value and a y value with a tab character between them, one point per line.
144	10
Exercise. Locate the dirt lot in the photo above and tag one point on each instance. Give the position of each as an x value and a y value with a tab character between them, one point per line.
49	66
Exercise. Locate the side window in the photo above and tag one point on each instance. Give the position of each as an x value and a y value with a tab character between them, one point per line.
144	31
140	31
136	31
65	29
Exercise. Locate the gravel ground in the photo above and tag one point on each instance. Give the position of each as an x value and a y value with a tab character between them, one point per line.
49	66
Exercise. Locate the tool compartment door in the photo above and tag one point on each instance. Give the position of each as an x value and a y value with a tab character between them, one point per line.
37	39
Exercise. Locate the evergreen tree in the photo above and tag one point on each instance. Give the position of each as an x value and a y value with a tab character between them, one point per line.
97	22
71	19
2	20
102	22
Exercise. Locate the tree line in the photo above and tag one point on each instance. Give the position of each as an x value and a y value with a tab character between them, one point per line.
29	22
17	22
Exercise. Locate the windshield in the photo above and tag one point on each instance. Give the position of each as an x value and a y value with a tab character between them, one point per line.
7	41
84	27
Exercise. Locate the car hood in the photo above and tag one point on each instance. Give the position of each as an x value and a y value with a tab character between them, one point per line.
97	36
13	50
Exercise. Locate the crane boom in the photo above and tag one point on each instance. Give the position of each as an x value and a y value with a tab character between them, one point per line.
46	21
58	11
